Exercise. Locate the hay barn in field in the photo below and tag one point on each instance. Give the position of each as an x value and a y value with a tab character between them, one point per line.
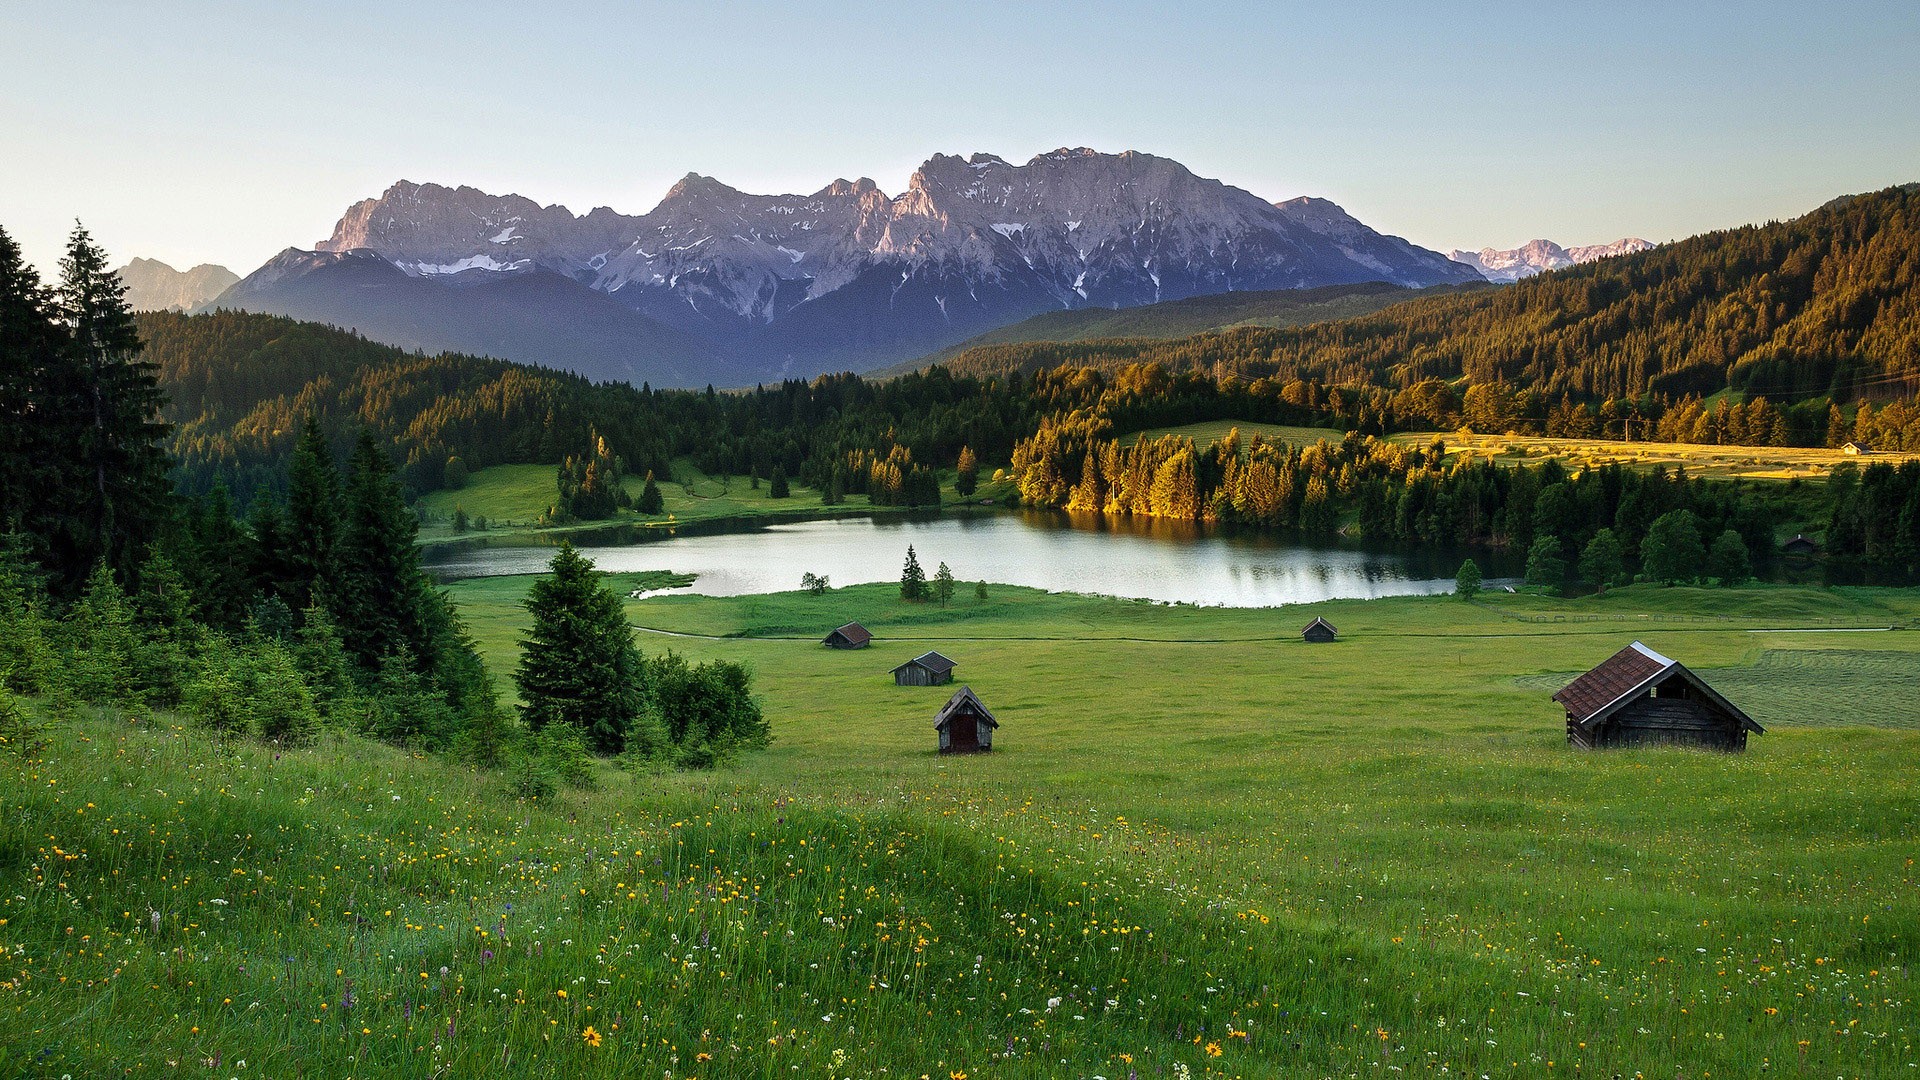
927	669
964	724
1641	698
850	636
1319	630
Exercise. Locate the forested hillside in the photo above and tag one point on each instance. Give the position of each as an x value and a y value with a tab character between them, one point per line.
1195	315
240	386
1826	303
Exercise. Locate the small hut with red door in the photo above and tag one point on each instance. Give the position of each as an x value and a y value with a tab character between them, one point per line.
964	724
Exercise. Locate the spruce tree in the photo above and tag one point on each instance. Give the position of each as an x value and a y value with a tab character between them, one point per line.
777	487
39	471
216	559
651	501
967	479
913	580
578	665
116	430
314	519
379	593
943	585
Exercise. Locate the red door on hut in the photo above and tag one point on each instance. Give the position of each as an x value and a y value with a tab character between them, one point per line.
965	725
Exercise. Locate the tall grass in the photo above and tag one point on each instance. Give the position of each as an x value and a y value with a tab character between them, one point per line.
1243	857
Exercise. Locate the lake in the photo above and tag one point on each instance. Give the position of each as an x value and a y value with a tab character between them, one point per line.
1166	561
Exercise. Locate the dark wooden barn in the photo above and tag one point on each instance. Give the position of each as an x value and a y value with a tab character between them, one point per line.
964	725
1640	698
1319	630
1800	545
927	669
850	636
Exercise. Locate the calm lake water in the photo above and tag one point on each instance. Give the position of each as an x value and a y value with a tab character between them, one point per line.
1153	560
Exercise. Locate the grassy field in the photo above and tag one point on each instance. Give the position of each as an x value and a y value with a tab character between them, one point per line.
1207	432
1200	847
1751	462
512	497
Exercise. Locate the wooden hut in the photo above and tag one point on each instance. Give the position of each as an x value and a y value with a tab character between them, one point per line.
1854	449
964	725
850	636
1319	630
1800	545
1640	698
927	669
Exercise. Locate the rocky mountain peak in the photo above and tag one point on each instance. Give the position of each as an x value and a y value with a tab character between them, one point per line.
1538	256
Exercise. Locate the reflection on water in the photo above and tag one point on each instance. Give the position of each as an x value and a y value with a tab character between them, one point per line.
1157	560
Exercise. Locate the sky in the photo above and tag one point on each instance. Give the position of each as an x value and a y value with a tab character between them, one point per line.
223	132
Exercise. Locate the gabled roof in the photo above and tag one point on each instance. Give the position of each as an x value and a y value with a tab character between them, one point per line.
932	661
1318	621
853	632
1624	676
963	698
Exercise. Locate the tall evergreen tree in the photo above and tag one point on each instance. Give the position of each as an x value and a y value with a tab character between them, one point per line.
314	519
578	664
913	580
128	497
37	464
967	479
380	592
651	501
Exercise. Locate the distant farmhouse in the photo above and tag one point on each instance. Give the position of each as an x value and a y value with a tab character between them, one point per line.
850	636
1801	544
1319	630
927	669
1640	698
964	724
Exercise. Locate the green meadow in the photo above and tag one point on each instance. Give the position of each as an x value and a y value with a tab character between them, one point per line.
512	498
1200	847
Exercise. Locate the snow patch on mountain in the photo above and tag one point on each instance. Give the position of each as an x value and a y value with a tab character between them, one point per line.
1539	256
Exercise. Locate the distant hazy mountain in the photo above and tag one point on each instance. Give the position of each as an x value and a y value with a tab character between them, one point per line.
536	317
1538	255
847	277
154	286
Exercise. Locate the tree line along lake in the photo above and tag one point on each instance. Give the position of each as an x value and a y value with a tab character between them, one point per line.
1141	559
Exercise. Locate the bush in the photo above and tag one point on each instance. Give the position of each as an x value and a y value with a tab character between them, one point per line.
20	732
562	750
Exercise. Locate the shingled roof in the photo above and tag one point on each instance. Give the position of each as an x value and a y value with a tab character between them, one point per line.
1318	621
960	698
932	661
853	633
1624	676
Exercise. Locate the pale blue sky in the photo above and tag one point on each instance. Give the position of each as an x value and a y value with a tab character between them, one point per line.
208	131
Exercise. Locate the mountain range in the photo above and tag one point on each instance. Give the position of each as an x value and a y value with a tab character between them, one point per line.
1537	256
154	286
715	285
